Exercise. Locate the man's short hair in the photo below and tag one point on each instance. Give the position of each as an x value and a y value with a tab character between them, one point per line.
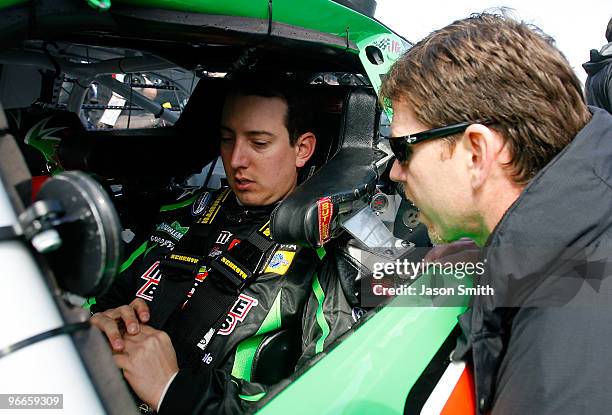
491	67
609	31
299	119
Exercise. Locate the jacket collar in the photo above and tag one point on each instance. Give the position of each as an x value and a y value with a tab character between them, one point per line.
557	213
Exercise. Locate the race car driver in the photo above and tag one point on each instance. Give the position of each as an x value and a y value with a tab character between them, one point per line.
177	350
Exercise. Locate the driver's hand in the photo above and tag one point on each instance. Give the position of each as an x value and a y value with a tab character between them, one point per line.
148	363
115	321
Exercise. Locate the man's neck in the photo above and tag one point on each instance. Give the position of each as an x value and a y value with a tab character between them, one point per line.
493	208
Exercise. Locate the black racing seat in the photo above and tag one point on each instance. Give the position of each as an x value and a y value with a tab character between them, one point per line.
345	181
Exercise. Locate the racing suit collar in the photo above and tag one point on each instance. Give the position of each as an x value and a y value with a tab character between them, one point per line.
236	212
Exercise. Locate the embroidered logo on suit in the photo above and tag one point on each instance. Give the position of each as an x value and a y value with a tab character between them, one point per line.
238	313
152	277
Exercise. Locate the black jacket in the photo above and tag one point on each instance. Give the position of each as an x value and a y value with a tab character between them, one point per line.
541	344
598	87
295	292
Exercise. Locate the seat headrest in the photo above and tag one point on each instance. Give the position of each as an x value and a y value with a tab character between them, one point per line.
308	216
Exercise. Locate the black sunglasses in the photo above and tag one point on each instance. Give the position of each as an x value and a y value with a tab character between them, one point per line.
401	146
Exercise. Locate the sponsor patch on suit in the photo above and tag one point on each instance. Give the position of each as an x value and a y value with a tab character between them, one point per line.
200	204
280	262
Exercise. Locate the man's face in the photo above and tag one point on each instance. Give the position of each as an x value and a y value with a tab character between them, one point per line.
260	164
433	179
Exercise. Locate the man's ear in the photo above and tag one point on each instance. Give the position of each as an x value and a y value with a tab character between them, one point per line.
483	146
304	148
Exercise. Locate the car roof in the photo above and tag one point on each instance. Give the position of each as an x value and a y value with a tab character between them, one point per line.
326	32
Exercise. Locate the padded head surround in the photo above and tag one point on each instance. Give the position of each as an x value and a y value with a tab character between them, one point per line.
308	215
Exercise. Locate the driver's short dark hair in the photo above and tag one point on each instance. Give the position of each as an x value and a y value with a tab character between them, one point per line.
299	119
609	31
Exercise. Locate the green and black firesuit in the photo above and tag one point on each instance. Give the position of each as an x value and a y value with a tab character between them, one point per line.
295	290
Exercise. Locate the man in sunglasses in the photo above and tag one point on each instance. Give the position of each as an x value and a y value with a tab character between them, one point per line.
494	142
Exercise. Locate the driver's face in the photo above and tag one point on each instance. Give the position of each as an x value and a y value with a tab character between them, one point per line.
260	164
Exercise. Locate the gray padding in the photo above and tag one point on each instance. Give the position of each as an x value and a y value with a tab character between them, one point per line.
13	168
104	374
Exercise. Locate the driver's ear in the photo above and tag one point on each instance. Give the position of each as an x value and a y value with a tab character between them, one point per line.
304	148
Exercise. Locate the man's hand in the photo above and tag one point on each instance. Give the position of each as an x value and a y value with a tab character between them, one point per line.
148	363
111	322
462	250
